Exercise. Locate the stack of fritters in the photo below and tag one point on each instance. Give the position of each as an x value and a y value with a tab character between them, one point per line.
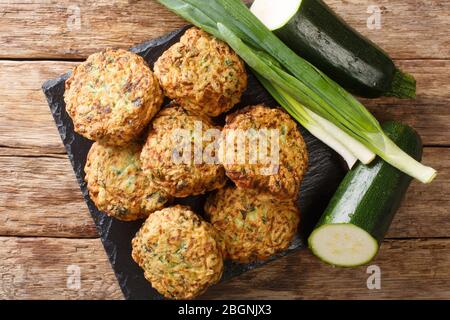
115	99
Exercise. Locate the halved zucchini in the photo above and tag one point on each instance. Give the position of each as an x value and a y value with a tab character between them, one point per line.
361	211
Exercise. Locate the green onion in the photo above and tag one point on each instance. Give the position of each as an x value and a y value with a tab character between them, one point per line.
232	21
349	149
337	139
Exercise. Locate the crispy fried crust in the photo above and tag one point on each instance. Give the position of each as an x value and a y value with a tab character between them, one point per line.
202	73
112	96
251	226
117	185
178	252
293	156
179	179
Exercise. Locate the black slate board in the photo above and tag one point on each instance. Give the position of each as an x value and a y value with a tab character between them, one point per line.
325	172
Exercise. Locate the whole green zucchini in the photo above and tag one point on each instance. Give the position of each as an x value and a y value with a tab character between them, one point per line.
316	33
359	215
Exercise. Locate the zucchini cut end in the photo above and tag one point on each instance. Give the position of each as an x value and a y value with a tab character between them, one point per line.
343	245
275	14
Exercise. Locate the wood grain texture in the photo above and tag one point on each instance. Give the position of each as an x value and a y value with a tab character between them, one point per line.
414	269
25	118
37	268
49	28
77	28
26	122
31	204
425	211
429	113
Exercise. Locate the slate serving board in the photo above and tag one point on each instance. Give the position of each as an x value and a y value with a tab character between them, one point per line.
326	171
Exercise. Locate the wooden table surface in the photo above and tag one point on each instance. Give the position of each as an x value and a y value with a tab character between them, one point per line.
45	227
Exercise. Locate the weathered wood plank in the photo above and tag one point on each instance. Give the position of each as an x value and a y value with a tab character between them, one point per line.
429	113
30	152
75	29
32	204
25	118
40	197
26	122
425	210
36	268
40	268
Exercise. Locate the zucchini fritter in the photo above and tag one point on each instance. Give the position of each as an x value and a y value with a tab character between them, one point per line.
179	179
112	96
202	74
251	226
117	185
178	252
284	182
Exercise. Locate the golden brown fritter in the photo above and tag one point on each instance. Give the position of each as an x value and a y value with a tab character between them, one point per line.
112	96
280	180
251	226
117	185
202	74
188	177
178	252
